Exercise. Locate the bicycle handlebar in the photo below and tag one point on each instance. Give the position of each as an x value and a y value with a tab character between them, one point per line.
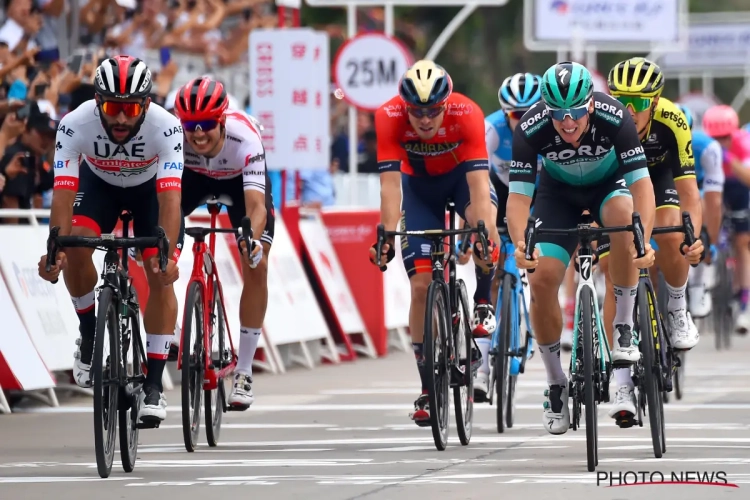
586	230
55	243
246	235
434	234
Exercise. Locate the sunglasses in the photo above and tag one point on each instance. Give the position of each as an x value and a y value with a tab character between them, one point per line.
114	108
517	114
637	103
574	113
426	112
200	125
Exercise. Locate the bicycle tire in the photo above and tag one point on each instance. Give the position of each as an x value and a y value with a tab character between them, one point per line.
105	398
214	400
436	362
510	397
650	379
502	366
129	413
192	366
589	385
463	392
679	377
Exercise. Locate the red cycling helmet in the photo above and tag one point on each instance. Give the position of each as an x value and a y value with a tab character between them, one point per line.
201	99
123	77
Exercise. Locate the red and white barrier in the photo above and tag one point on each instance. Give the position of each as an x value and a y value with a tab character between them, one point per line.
332	280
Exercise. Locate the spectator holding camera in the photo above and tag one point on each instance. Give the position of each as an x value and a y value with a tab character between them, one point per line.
27	174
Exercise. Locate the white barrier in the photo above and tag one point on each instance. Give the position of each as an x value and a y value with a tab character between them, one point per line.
339	295
397	300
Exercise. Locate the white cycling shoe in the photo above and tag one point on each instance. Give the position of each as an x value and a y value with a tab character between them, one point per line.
625	348
684	332
556	417
481	387
242	391
483	323
699	301
81	371
624	404
153	405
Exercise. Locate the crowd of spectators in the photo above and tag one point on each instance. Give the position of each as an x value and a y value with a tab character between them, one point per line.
39	82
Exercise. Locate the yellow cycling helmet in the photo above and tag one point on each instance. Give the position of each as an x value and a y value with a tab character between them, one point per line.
636	76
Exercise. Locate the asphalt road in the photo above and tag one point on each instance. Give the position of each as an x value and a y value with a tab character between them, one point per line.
342	432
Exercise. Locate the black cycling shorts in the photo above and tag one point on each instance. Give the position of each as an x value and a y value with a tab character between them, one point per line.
98	206
197	188
559	206
502	198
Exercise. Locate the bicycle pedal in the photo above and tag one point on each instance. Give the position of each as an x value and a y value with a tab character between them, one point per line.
235	407
423	423
622	364
625	421
148	423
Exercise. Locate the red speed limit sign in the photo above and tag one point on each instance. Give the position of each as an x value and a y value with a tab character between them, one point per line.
368	67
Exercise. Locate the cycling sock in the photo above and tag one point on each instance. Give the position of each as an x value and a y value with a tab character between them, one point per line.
623	377
157	351
677	299
695	276
484	283
551	359
484	347
625	303
249	338
419	356
86	311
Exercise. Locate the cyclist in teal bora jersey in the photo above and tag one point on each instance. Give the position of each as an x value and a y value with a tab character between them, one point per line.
592	160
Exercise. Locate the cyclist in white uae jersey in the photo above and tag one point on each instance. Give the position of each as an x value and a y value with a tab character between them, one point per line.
119	152
224	155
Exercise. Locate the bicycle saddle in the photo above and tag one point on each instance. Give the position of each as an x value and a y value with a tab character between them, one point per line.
217	200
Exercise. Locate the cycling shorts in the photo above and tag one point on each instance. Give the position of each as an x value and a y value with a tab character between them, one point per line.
196	188
559	206
423	207
501	190
737	198
98	206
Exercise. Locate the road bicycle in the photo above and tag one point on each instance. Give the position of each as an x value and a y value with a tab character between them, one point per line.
206	354
653	374
451	359
118	379
508	354
722	293
590	361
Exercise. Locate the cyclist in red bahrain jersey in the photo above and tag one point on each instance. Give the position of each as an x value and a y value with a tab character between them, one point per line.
431	145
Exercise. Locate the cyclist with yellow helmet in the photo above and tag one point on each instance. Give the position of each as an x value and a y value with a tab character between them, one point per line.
665	135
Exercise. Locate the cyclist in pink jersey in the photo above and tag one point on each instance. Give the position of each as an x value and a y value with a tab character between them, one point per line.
723	124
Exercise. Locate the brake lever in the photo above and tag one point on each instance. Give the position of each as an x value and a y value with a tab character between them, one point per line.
638	237
163	248
247	236
689	230
379	248
52	249
530	241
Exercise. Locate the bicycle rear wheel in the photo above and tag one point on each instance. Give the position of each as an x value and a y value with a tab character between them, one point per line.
192	365
651	366
463	390
589	385
436	351
502	364
215	399
105	372
130	406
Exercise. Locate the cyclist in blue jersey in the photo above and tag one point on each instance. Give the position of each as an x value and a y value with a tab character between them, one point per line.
710	176
516	95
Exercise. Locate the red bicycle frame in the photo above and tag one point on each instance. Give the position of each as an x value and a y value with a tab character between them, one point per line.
205	273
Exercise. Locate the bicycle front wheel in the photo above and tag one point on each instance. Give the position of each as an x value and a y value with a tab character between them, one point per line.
192	365
651	365
130	406
436	368
463	390
502	364
104	369
220	354
589	384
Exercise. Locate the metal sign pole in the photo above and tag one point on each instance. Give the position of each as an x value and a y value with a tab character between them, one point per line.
351	28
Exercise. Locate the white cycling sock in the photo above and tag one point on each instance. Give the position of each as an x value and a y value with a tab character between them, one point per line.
624	304
677	299
623	377
484	347
695	276
551	358
249	338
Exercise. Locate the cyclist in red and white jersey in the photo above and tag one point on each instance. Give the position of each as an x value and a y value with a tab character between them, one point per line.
119	152
722	123
224	155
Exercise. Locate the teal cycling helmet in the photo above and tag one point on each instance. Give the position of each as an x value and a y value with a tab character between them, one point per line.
688	115
567	85
520	92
